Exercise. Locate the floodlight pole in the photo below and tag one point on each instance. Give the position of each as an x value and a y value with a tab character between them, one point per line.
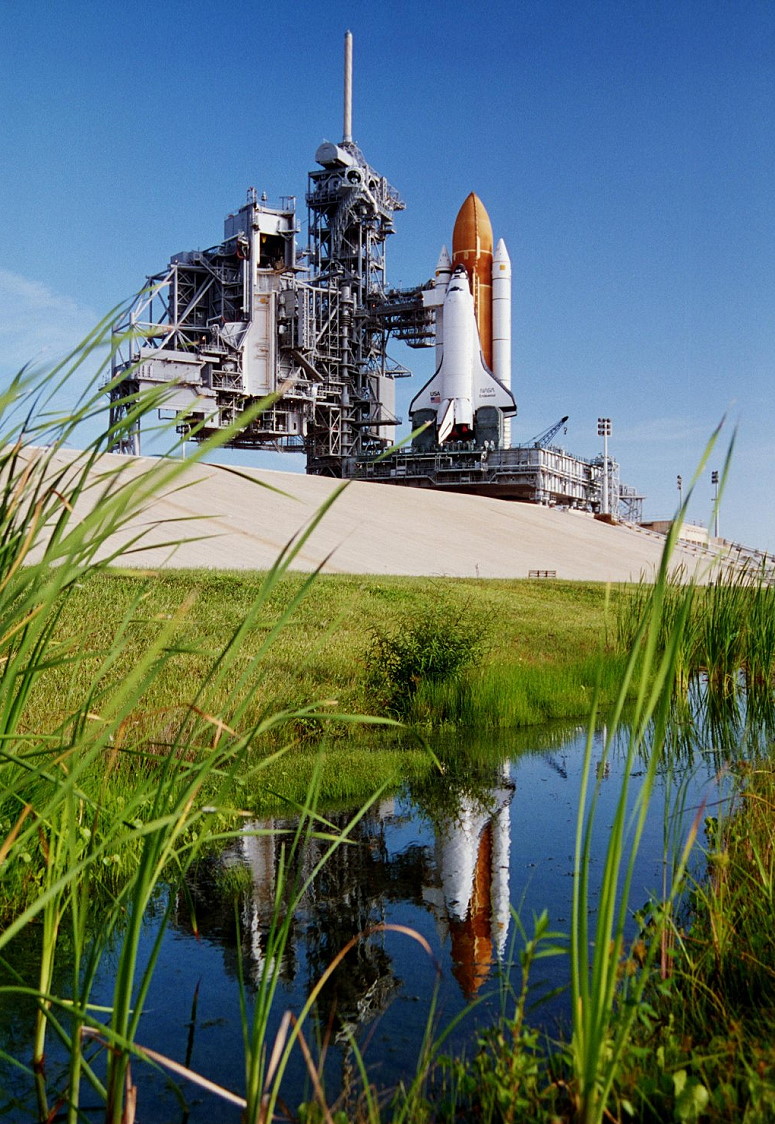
604	431
714	482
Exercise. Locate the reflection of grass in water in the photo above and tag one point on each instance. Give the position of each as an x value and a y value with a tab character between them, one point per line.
604	998
347	769
613	1031
123	782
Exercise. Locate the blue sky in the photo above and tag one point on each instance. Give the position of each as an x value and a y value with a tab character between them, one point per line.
624	151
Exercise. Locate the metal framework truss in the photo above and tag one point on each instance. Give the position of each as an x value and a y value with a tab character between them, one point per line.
241	322
244	323
532	473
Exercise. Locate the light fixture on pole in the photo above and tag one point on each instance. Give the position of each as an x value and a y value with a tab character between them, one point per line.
714	482
680	482
604	431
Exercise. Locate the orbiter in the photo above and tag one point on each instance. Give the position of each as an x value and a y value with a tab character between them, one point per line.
469	396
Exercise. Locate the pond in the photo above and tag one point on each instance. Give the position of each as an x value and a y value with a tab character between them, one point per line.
445	862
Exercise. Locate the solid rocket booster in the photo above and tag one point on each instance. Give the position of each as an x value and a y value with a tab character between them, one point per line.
501	324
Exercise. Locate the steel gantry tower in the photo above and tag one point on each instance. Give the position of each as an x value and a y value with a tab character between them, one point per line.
248	320
351	210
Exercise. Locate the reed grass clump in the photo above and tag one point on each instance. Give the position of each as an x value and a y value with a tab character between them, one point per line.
729	636
702	1044
609	1070
101	816
731	943
433	649
111	801
759	656
498	694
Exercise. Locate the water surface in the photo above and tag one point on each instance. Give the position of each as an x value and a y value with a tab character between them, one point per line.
447	860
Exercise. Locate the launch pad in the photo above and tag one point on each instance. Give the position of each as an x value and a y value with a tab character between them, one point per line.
527	473
253	319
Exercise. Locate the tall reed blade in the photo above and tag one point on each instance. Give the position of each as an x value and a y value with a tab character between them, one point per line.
603	1003
109	821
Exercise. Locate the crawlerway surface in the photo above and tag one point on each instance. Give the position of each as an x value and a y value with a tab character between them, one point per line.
243	519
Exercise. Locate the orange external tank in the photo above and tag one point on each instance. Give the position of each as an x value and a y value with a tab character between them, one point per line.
472	248
472	951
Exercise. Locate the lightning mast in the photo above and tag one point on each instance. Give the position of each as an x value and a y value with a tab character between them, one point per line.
350	208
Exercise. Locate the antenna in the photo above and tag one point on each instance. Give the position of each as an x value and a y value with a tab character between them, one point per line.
348	88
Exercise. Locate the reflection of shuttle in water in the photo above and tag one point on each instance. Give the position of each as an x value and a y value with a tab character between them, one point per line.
472	853
258	845
465	884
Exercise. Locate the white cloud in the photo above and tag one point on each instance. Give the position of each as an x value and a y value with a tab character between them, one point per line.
665	431
37	325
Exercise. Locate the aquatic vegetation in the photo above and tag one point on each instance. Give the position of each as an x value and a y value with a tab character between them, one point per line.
605	1001
727	638
110	802
543	660
506	693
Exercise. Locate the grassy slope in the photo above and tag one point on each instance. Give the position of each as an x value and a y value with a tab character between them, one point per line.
532	633
322	652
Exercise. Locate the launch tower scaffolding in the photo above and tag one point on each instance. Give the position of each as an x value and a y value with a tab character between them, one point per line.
222	328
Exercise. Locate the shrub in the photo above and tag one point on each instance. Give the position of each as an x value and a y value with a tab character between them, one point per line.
435	648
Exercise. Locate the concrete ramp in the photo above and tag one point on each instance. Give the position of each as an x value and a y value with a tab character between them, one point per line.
244	517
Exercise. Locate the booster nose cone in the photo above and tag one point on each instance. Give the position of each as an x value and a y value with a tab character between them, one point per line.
501	262
444	264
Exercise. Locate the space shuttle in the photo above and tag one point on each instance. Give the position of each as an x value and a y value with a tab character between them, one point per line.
469	396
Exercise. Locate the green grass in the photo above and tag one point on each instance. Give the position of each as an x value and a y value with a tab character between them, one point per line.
680	1025
640	1046
525	692
702	1048
728	637
145	716
541	648
124	736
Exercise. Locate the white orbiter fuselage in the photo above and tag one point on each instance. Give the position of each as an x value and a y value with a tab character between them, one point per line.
462	382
